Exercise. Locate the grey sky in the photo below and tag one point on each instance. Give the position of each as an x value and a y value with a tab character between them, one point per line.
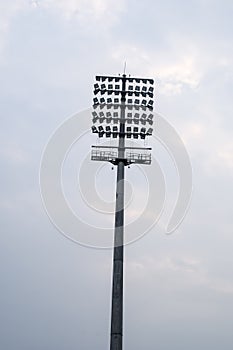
55	294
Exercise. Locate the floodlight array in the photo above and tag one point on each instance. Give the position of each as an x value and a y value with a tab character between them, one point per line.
100	116
134	132
136	91
128	79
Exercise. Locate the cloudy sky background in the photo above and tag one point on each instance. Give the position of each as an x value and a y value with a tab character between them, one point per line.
55	294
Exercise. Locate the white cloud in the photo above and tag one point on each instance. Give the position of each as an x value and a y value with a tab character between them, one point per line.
104	12
8	11
173	75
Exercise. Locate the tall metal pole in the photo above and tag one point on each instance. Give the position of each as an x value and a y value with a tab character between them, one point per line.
118	255
102	153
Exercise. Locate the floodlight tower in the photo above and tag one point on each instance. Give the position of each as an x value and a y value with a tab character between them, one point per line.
117	114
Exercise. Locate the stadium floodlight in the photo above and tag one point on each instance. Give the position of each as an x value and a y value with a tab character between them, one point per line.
100	131
132	106
96	101
143	133
108	131
95	117
150	104
149	131
144	102
150	119
128	132
114	131
94	129
135	132
136	118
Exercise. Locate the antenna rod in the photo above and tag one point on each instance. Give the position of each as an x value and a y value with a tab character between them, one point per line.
125	67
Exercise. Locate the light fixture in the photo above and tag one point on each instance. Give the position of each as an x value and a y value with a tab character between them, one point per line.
128	132
94	129
101	131
149	131
143	133
135	132
144	102
114	131
108	131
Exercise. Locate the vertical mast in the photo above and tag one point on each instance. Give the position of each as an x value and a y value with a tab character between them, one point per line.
118	255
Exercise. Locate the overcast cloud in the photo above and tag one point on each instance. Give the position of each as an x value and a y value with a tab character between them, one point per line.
55	294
